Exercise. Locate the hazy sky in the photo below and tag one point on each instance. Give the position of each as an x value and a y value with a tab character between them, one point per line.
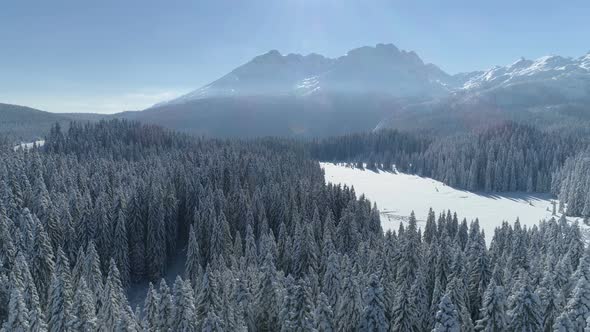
108	56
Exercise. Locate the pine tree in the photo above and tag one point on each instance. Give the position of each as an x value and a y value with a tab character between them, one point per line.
113	301
212	323
127	321
268	297
373	317
83	309
193	269
302	314
447	318
42	264
403	316
244	300
22	278
120	247
151	308
331	282
493	310
563	323
208	299
525	314
185	318
156	245
578	306
323	314
551	299
165	308
59	304
92	271
18	315
349	306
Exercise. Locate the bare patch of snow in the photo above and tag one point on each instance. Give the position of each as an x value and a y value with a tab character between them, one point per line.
398	194
28	146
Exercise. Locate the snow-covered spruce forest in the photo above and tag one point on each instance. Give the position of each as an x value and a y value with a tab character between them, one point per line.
268	245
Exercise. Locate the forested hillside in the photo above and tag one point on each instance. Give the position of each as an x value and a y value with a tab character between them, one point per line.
572	184
269	246
25	124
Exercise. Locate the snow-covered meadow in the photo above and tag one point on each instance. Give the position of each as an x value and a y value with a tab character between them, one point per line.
398	194
28	146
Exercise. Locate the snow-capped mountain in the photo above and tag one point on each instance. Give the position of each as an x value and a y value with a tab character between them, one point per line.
551	90
383	69
387	87
548	68
548	81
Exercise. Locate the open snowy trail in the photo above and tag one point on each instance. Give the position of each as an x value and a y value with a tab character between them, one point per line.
398	194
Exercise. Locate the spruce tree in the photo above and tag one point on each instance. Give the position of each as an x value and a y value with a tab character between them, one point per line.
493	310
83	309
18	314
60	298
373	317
185	318
526	311
447	318
323	314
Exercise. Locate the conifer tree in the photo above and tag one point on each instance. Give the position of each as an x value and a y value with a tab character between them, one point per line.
373	317
185	318
42	262
83	309
323	314
120	247
18	315
151	309
403	316
493	310
563	323
525	314
193	269
60	299
165	308
113	302
268	297
447	318
209	299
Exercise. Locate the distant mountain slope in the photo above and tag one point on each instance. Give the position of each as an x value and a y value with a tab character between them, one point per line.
256	116
550	92
295	95
276	94
20	123
25	124
367	88
382	69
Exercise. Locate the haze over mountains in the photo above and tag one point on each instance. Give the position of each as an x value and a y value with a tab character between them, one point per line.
374	88
387	88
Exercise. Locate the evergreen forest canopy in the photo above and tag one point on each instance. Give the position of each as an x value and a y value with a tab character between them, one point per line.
268	246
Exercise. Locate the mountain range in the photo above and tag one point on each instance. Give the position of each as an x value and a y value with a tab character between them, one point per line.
373	88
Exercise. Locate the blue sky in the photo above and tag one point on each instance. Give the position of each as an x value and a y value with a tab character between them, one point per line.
108	56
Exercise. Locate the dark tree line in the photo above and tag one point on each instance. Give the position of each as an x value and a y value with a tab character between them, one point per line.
571	183
510	157
268	246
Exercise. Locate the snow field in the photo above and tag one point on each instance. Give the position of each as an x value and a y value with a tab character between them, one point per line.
398	194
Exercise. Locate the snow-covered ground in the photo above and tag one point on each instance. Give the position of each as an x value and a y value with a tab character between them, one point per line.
398	194
28	146
137	292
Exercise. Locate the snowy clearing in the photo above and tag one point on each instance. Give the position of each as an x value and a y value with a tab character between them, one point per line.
398	194
28	146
